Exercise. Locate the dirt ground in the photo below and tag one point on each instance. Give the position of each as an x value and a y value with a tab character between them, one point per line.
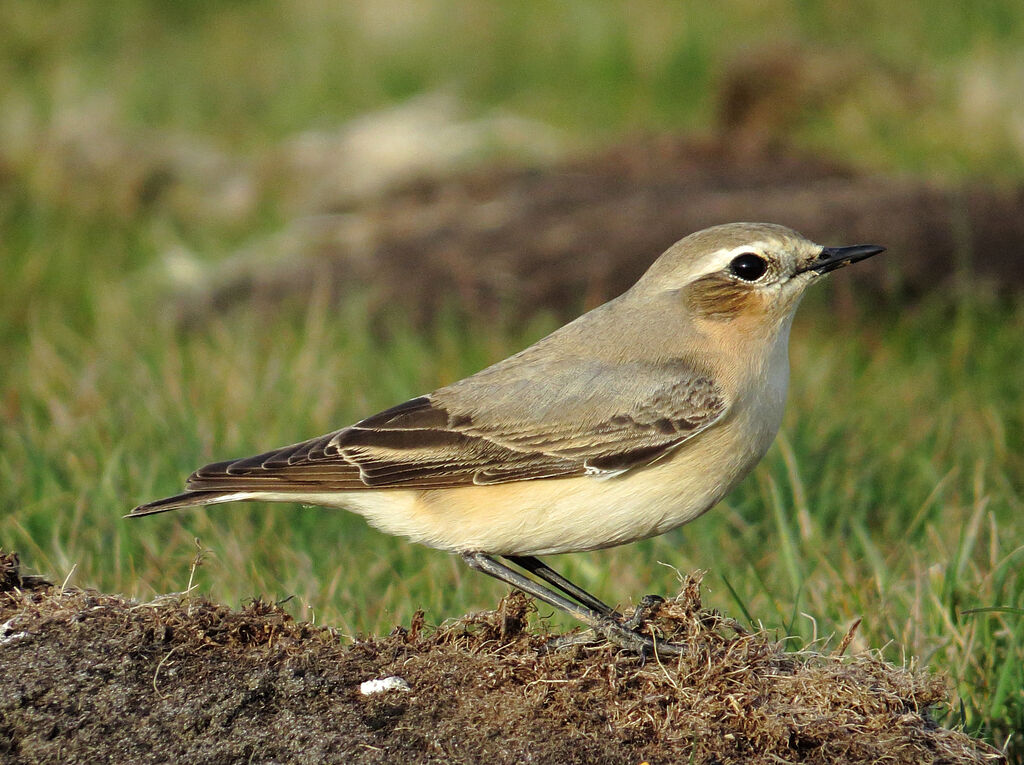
509	241
89	677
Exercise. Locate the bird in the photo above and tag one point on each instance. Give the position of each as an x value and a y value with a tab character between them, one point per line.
629	421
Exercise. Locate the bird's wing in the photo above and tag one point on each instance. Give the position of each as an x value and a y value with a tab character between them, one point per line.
559	420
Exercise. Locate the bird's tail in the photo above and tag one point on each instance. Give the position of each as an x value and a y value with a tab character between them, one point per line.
187	499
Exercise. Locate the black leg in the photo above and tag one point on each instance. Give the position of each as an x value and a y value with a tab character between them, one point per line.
540	569
600	623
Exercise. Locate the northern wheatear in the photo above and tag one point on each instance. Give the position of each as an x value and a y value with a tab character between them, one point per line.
633	419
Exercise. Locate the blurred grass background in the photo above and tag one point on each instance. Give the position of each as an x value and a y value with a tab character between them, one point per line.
893	494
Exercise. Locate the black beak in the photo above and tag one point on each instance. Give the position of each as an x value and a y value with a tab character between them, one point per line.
832	258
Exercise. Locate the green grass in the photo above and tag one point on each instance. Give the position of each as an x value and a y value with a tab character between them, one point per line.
923	86
894	493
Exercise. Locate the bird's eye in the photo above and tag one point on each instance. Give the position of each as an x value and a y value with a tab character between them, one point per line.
748	267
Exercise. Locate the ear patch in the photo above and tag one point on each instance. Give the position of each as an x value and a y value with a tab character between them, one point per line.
720	298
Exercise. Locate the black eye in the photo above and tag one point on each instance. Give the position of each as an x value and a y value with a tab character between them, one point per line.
748	267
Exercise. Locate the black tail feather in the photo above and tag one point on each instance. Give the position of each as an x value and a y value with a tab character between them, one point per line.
186	499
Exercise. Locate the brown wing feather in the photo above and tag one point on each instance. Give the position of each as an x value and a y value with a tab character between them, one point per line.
421	444
404	447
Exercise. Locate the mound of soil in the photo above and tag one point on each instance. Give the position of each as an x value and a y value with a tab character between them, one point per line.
87	677
500	241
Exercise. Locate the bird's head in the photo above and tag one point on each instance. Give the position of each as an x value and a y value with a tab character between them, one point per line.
750	273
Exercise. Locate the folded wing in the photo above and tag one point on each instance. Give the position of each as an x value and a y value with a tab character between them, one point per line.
563	420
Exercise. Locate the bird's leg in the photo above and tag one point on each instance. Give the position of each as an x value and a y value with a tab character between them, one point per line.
603	624
540	569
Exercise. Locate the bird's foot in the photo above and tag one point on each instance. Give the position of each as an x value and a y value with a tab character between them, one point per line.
626	634
648	604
